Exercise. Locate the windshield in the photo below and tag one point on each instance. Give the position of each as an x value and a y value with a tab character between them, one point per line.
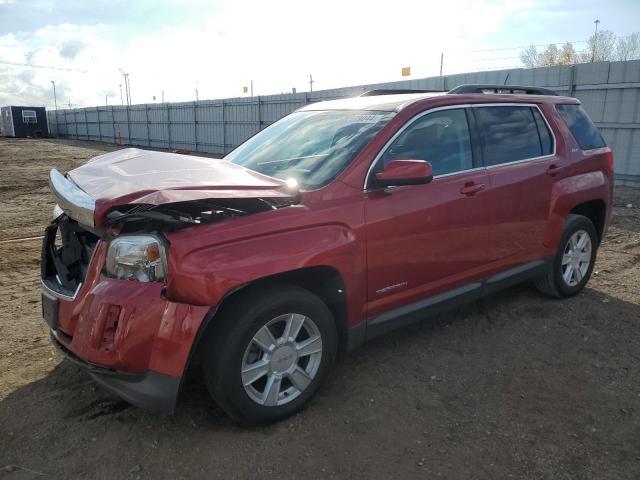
310	147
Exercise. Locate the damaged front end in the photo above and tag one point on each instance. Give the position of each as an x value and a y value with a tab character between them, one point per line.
104	266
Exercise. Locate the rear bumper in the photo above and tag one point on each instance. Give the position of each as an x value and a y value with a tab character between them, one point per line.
150	390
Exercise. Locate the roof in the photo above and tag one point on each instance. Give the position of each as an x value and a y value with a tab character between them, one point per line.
383	103
396	102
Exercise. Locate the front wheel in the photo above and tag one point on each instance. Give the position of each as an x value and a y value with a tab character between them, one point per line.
574	260
269	354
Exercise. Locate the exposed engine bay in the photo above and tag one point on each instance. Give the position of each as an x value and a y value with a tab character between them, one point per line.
174	216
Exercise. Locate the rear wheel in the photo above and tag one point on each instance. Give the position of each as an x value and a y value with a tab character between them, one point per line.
270	353
574	260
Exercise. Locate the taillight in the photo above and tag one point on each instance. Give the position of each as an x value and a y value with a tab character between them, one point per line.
609	156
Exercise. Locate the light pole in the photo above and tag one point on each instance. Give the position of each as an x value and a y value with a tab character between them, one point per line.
128	88
595	42
55	100
126	85
121	101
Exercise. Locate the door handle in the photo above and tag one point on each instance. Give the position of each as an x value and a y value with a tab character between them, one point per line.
471	188
554	169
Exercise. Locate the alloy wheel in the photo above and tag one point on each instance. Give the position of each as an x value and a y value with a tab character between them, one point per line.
576	258
282	359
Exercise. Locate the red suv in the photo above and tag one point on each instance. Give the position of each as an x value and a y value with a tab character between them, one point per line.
338	223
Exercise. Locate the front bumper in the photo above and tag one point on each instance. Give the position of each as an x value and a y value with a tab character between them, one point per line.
151	390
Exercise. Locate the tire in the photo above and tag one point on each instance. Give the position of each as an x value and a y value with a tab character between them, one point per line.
555	283
234	356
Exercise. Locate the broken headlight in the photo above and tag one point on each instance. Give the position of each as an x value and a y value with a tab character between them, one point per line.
137	257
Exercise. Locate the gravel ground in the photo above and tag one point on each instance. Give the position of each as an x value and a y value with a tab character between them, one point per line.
514	386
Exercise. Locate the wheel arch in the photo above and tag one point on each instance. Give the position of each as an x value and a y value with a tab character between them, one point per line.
323	281
594	210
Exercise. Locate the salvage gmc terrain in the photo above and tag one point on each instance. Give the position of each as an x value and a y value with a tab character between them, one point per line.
338	223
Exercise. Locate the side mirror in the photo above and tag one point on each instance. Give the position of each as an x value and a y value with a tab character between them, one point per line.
405	172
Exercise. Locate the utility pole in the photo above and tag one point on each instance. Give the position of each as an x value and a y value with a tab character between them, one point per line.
55	100
121	100
162	96
441	62
595	42
106	100
311	82
197	95
251	87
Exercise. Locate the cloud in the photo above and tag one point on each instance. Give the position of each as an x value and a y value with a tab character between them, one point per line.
222	46
71	48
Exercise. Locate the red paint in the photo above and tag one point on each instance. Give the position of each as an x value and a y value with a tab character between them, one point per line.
145	177
414	171
390	246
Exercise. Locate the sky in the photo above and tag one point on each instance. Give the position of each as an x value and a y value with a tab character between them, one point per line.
219	46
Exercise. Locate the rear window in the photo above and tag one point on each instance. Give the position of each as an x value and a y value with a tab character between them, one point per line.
581	126
509	134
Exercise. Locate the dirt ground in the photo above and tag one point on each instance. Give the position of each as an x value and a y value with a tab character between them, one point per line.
515	386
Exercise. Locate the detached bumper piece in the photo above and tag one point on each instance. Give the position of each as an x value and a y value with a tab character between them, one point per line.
151	390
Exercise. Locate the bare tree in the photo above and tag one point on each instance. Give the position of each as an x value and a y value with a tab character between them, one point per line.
550	56
568	55
628	48
601	46
530	57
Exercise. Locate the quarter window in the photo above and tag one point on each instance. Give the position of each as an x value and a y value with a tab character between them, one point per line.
508	134
442	138
581	126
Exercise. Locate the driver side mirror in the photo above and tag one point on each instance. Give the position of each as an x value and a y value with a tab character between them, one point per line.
405	172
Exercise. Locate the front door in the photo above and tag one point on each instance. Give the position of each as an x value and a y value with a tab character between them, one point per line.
425	239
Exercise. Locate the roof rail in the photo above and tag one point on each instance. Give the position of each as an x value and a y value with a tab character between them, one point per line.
374	93
518	89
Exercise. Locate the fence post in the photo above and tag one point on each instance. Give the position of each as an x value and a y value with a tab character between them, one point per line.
128	126
99	126
86	123
195	125
259	115
224	131
113	125
572	80
168	124
146	117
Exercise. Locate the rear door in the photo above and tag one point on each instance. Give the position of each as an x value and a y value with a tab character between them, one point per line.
518	149
426	239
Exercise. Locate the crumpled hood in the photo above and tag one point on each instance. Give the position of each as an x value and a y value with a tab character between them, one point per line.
143	176
134	176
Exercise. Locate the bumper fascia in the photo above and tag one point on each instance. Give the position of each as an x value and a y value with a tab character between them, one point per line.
151	390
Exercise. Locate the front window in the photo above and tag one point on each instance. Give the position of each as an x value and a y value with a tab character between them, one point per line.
310	147
29	116
442	138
